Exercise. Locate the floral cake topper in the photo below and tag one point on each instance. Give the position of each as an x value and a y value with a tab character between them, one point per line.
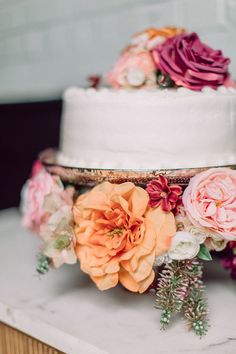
167	57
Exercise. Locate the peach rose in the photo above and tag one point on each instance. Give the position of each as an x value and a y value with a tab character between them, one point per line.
210	201
119	236
135	68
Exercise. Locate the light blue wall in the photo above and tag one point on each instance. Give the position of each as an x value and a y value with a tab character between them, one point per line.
47	45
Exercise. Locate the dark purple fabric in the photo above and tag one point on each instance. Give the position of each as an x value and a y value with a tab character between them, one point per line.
26	130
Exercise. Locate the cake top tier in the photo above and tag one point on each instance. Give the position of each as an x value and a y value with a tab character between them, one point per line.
149	129
170	57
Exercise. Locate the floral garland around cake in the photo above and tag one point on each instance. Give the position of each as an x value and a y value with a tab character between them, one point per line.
143	238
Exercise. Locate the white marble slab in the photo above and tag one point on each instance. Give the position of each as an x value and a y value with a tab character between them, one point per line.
65	310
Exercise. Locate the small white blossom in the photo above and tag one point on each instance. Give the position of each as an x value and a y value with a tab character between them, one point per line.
184	245
135	77
164	259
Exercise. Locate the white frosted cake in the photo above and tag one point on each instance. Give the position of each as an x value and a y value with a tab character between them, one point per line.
137	125
148	130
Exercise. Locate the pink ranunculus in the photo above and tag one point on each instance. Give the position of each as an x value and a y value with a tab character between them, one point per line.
135	68
210	201
33	195
191	63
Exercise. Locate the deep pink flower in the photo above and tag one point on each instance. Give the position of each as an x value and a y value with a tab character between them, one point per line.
191	63
229	258
94	81
160	193
37	167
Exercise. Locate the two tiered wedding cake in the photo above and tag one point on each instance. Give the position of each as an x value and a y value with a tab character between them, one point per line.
160	145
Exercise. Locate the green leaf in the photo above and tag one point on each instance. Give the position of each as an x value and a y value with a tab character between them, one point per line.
204	253
164	80
62	242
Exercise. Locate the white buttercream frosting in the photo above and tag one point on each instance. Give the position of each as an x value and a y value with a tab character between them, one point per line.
148	129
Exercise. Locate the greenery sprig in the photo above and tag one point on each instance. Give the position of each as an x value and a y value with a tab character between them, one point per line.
43	264
181	289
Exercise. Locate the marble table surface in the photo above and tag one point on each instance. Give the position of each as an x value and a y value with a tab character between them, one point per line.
65	310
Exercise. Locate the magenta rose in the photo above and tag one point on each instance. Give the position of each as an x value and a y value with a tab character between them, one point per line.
210	202
191	63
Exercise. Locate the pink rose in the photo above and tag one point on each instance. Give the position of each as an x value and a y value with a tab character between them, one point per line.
33	195
191	63
210	201
135	68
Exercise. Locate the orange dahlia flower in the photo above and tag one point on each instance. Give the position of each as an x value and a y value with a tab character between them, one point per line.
151	37
119	235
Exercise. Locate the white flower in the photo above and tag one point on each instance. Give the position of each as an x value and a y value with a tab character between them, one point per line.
184	245
62	215
216	243
61	246
199	234
163	259
57	228
135	77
